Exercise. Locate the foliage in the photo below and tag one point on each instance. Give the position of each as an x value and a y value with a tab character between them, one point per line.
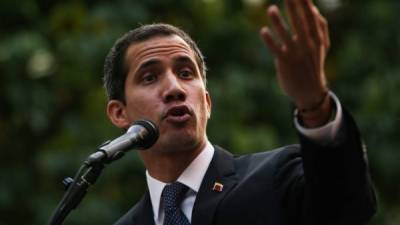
52	104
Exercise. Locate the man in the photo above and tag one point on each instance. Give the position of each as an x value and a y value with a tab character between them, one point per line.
157	72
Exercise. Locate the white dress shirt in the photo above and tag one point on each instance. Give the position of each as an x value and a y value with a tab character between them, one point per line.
193	175
326	133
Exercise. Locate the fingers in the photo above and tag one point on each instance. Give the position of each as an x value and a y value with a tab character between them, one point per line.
311	17
309	26
279	25
296	19
323	23
307	23
266	35
284	40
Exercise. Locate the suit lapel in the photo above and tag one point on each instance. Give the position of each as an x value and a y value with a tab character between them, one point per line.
144	215
221	170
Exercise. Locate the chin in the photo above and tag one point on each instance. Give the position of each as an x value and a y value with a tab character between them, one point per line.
178	142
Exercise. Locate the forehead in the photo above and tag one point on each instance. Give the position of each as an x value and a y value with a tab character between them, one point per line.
163	46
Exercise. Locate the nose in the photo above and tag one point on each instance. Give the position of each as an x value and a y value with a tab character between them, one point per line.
173	89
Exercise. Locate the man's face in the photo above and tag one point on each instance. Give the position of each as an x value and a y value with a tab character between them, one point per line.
164	85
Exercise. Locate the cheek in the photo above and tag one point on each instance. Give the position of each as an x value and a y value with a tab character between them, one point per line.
141	107
203	109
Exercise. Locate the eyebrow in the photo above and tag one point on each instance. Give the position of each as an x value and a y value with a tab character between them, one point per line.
177	59
184	59
148	63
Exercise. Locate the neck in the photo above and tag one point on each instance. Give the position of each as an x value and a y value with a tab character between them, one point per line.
168	166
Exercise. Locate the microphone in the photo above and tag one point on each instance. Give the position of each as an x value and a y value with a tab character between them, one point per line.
141	135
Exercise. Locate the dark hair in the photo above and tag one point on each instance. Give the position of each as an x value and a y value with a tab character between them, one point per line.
115	70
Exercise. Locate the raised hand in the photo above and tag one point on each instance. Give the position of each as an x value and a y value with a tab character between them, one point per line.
300	55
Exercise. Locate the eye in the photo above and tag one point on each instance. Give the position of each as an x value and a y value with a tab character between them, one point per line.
149	78
185	73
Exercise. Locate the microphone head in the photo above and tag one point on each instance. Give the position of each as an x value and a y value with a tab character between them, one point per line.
151	136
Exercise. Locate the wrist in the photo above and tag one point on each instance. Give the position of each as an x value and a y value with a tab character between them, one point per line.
317	114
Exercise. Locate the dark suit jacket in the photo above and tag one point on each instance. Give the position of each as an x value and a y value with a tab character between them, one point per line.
297	184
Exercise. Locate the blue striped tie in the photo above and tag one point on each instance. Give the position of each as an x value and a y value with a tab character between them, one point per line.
172	197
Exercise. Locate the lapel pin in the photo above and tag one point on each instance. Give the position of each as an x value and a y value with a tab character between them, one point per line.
218	187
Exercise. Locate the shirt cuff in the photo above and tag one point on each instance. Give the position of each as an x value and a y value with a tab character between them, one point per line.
326	133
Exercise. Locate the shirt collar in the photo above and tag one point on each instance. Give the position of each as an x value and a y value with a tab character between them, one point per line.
192	177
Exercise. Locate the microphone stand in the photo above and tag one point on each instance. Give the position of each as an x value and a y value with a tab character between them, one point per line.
76	189
141	135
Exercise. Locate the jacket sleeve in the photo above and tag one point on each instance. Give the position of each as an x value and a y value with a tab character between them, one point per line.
329	184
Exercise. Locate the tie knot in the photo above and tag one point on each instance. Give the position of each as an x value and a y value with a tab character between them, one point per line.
172	195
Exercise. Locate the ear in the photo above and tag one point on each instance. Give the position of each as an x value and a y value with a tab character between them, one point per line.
117	114
209	104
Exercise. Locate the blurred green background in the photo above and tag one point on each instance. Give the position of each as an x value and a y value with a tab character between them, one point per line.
52	104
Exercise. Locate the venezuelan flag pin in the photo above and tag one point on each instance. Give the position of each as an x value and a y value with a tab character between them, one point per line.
218	187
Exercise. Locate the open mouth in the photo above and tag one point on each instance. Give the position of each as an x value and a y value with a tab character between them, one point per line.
178	114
